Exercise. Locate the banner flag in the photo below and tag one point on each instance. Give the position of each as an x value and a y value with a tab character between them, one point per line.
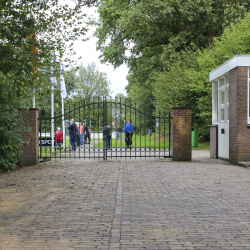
63	87
53	79
62	82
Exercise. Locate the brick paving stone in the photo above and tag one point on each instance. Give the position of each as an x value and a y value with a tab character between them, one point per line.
126	204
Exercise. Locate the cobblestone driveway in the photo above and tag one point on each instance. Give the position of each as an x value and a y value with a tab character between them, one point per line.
126	204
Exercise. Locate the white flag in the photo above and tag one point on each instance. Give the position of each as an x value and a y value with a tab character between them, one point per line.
63	87
53	80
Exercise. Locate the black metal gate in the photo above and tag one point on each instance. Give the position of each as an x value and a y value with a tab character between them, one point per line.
150	137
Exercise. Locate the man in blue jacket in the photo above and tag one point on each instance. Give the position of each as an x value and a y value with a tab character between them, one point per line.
72	134
129	132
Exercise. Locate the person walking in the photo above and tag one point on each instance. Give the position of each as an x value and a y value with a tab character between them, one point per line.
129	133
125	123
59	138
72	134
81	134
89	134
132	132
119	131
77	136
86	131
108	136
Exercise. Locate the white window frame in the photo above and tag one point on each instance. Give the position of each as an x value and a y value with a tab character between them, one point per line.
227	97
221	89
217	95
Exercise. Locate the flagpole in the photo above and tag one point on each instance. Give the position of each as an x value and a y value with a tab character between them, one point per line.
34	101
52	106
52	117
63	124
63	95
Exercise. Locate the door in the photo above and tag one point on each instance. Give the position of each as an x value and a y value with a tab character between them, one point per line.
223	120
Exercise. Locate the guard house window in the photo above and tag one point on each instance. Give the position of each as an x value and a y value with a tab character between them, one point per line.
248	97
223	100
227	98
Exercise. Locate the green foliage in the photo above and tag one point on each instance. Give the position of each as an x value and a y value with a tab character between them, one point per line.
203	146
89	82
186	83
30	32
85	85
9	134
152	37
234	41
143	27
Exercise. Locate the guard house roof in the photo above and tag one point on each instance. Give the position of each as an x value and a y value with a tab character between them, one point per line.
236	61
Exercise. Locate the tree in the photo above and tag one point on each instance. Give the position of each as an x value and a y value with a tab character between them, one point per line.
186	83
143	34
143	27
91	83
30	32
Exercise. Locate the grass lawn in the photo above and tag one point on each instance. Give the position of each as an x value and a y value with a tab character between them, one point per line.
141	141
203	146
47	151
151	142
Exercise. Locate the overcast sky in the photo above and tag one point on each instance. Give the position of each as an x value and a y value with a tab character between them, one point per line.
87	50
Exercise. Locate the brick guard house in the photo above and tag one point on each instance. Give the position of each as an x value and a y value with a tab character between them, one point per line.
230	129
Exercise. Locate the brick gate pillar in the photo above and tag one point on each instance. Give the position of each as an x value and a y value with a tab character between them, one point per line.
181	134
29	155
214	141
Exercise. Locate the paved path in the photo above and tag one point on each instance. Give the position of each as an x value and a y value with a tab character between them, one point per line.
126	204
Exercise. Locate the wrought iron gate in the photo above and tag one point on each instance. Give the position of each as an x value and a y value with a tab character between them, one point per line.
150	138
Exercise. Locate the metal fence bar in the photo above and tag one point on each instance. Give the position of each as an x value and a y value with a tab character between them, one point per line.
84	116
40	139
135	131
116	131
140	131
121	126
78	139
89	108
125	128
111	126
145	134
159	131
130	141
169	134
164	133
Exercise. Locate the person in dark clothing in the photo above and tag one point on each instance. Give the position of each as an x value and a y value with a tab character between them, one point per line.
129	133
86	134
107	134
72	134
119	131
77	136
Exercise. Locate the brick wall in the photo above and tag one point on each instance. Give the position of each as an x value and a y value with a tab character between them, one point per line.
214	141
233	125
181	134
239	136
30	152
